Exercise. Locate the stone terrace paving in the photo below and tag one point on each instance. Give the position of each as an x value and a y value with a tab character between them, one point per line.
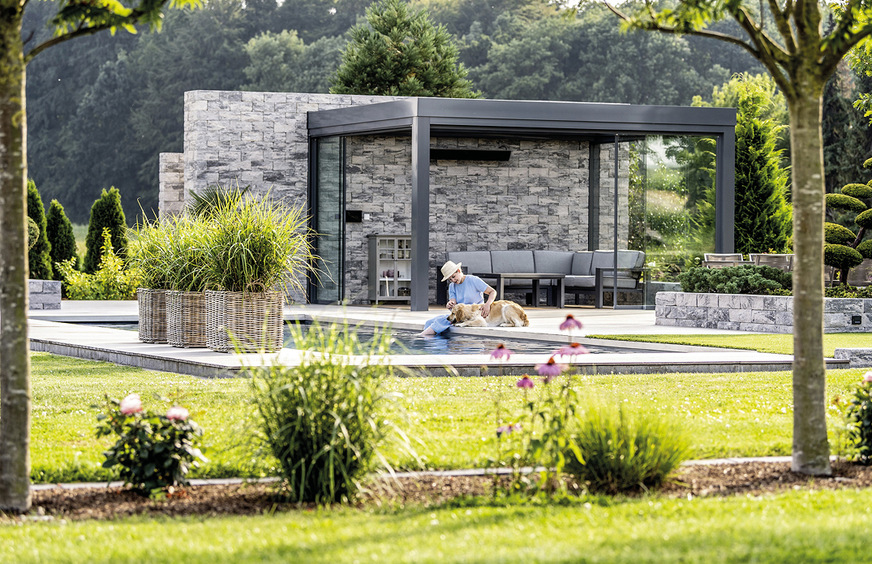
53	331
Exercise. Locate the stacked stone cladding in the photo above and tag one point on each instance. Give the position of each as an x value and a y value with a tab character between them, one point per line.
172	184
762	314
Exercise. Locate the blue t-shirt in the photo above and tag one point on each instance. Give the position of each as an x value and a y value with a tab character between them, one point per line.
470	291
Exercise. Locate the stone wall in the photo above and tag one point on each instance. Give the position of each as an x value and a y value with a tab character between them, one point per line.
171	192
762	314
44	294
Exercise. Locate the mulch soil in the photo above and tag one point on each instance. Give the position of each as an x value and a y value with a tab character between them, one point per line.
746	478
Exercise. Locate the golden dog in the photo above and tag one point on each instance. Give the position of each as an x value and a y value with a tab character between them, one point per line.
503	313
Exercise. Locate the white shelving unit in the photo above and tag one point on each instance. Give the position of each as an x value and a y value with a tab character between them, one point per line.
390	268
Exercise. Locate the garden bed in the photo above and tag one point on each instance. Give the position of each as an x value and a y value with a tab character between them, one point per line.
761	314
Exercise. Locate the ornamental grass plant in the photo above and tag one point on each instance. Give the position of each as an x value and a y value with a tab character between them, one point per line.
328	419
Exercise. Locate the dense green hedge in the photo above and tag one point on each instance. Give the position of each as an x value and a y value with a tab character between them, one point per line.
745	279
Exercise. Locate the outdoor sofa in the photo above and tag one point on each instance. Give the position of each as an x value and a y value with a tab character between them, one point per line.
583	272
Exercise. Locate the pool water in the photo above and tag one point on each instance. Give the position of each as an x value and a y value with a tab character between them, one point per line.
449	343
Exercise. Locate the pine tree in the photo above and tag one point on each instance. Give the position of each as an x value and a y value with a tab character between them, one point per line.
106	212
400	52
60	235
38	256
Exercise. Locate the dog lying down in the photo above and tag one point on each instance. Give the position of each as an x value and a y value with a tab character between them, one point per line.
503	313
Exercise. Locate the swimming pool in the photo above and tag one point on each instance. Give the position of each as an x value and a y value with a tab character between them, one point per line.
407	341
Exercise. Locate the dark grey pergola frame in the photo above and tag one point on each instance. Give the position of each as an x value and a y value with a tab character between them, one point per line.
424	118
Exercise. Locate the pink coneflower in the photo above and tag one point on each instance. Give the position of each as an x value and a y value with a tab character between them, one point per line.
570	323
506	429
525	383
131	404
177	413
571	349
550	369
501	353
867	377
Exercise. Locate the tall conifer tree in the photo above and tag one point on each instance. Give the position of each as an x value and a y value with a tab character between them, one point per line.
38	257
106	212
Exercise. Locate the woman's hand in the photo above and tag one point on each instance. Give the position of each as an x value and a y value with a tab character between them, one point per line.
485	310
451	303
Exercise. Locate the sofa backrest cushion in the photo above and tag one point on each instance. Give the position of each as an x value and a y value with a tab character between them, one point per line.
626	259
553	261
581	263
513	261
473	261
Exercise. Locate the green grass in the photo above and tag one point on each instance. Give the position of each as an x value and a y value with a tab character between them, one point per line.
802	526
762	342
451	419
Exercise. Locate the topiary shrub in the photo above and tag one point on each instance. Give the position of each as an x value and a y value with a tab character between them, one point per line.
837	234
60	235
105	213
745	279
38	257
844	249
32	233
842	257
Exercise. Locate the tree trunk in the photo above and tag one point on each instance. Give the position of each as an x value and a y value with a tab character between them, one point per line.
14	345
811	452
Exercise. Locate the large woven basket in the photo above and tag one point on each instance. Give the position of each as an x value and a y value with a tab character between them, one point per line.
186	319
152	315
244	321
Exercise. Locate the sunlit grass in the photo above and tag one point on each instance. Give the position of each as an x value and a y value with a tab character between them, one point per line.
761	342
451	420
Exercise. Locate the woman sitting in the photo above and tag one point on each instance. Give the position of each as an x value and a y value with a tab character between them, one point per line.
463	289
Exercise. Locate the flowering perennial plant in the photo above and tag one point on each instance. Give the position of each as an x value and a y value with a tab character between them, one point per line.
859	422
154	451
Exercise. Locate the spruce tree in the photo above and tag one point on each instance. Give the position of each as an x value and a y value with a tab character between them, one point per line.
400	52
106	212
60	236
38	256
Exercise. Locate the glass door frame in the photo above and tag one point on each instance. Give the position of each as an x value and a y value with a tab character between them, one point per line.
312	283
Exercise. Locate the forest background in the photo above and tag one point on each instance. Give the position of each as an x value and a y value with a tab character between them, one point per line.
102	109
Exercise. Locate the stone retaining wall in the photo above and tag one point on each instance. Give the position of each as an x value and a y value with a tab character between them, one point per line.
44	294
762	314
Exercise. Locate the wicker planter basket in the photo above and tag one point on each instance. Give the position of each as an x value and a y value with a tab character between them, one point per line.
249	321
186	319
152	315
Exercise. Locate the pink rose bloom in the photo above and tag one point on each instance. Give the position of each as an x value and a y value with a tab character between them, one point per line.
867	377
501	353
570	324
131	404
177	413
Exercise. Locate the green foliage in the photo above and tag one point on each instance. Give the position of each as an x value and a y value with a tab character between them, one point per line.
214	197
327	419
859	191
283	63
844	202
763	216
154	451
106	213
837	234
399	52
257	244
32	233
845	291
859	418
745	279
60	234
864	219
865	248
112	281
39	257
171	253
841	256
625	450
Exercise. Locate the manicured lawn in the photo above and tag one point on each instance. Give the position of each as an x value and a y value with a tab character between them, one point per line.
762	342
802	526
452	419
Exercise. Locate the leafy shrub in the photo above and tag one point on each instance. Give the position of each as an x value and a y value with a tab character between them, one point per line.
327	419
845	291
113	281
153	450
838	234
106	213
60	235
841	256
624	450
745	279
38	256
32	233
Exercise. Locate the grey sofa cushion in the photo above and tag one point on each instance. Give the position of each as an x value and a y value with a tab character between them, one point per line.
553	261
581	263
626	259
474	261
514	261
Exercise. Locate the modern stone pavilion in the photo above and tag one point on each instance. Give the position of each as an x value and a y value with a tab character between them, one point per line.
454	174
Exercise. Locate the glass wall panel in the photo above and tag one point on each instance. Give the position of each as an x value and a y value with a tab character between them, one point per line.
672	205
329	221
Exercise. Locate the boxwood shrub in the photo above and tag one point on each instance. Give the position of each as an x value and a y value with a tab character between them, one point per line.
745	279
